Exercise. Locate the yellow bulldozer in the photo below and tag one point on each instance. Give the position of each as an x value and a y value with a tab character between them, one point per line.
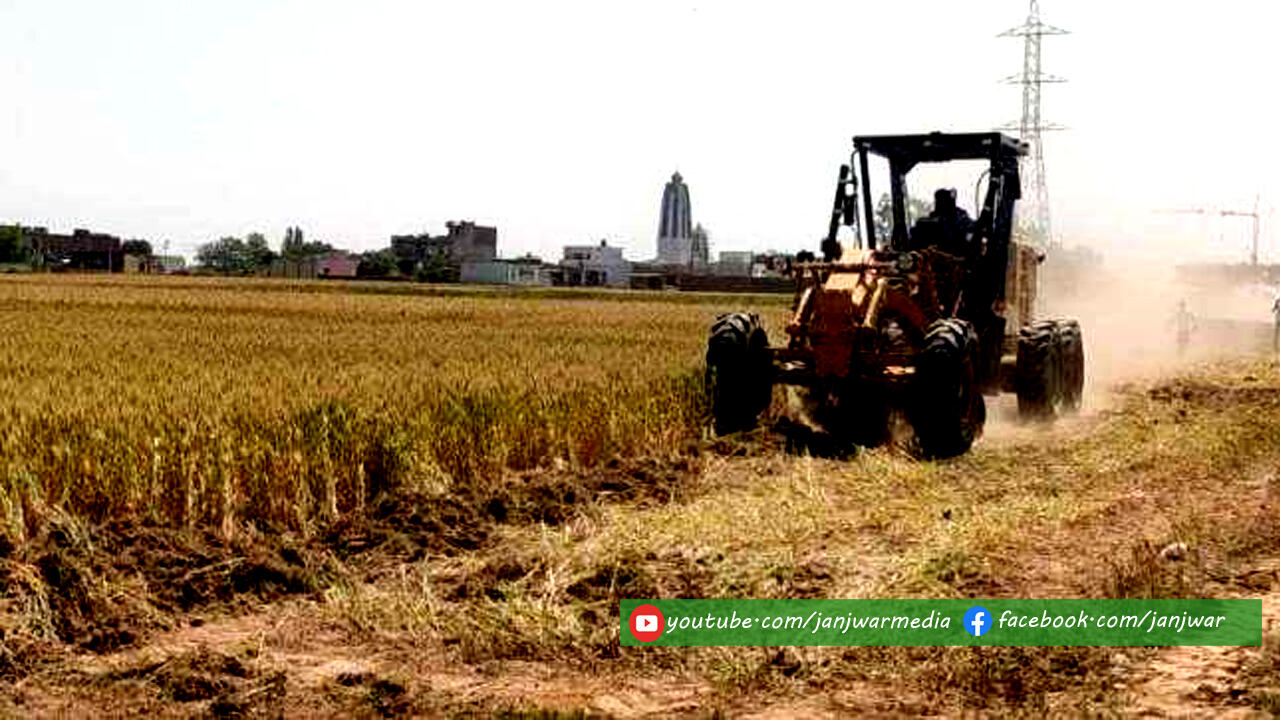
925	321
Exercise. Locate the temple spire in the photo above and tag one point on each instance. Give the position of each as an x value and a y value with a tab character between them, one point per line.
676	239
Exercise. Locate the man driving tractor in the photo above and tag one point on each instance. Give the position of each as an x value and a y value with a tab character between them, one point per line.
947	227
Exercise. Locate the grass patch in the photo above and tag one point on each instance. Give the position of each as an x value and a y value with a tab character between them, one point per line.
1089	513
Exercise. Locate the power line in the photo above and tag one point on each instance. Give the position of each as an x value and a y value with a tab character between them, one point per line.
1253	255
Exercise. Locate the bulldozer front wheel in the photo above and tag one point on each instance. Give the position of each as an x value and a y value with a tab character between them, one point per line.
738	372
1071	353
947	410
1038	371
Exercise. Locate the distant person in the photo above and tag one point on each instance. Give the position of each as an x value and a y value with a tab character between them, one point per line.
1275	315
1184	324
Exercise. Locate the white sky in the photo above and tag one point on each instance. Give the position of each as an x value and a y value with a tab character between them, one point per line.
560	122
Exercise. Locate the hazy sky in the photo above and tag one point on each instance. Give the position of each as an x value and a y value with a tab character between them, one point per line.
560	122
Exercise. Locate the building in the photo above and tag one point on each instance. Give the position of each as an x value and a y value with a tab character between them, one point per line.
333	264
170	264
735	263
337	264
527	270
139	264
679	243
772	264
464	242
699	248
592	265
468	241
81	250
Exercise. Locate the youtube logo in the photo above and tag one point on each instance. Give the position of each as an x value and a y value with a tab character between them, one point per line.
646	623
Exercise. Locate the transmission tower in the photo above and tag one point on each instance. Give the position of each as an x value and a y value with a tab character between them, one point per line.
1031	125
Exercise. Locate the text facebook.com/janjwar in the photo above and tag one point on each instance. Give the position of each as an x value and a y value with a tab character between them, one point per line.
940	622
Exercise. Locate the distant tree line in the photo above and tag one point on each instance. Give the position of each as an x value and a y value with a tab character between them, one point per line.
13	246
377	264
253	255
385	263
17	247
233	256
296	249
230	255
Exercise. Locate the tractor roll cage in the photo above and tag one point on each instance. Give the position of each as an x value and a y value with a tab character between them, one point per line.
904	152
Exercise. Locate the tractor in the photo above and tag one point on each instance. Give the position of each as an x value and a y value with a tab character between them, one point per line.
916	326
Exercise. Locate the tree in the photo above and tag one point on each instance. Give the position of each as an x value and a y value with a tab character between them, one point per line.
916	209
295	248
233	256
13	245
257	252
136	247
291	248
435	268
406	266
377	263
225	256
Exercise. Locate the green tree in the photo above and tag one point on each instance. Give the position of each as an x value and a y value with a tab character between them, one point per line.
13	245
257	253
377	263
233	256
916	209
225	256
291	248
435	269
295	248
136	247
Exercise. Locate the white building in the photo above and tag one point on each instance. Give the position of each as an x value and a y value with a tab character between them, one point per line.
528	270
593	265
736	263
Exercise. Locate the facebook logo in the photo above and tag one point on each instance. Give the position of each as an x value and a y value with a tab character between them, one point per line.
977	621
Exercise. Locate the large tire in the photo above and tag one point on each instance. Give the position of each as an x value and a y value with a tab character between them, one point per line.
738	372
1071	354
947	409
1038	374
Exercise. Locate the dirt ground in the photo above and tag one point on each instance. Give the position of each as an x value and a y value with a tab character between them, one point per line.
505	604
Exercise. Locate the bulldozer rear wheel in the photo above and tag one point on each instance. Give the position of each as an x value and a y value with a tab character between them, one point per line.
1038	371
738	372
1071	353
947	408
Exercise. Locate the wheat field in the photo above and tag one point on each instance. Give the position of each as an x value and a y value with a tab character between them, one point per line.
214	403
251	488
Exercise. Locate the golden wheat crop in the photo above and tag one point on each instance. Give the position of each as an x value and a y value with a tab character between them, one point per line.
216	403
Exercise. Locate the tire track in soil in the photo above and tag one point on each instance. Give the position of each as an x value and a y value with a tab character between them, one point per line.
1199	681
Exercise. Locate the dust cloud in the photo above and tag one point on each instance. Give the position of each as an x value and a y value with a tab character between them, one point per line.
1147	319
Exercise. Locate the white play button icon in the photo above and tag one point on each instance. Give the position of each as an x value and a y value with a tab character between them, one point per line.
645	623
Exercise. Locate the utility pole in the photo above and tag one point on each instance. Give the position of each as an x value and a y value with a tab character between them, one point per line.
1253	252
1031	124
